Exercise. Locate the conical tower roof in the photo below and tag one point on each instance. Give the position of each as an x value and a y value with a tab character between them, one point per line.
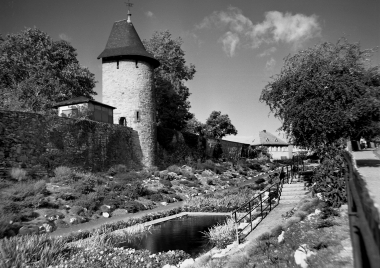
124	41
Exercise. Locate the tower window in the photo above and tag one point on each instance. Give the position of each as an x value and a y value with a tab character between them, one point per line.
117	64
137	63
122	121
138	116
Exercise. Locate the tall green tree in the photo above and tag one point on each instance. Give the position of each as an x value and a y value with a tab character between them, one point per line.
171	93
326	93
219	125
36	71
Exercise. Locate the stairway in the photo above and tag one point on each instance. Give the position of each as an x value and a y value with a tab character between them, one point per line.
292	193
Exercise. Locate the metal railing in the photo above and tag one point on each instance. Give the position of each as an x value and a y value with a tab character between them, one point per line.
256	209
363	219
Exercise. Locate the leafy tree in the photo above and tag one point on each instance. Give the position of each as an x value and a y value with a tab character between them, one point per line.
219	125
36	71
171	93
325	93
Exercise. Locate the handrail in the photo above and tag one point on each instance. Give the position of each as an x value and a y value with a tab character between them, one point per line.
363	219
249	207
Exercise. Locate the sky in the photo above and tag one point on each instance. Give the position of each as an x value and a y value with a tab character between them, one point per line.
237	46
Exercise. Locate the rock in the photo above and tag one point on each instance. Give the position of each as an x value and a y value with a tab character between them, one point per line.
119	211
301	255
172	176
94	216
281	237
74	221
105	208
164	203
105	214
187	168
27	230
47	228
169	266
187	263
54	216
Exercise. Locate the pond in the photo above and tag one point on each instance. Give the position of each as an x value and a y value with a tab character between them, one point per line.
183	233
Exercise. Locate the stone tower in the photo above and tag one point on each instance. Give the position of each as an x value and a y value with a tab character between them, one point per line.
128	85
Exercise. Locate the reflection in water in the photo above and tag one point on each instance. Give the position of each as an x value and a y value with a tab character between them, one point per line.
182	233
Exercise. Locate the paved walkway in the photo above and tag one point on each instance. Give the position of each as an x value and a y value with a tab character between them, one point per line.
368	164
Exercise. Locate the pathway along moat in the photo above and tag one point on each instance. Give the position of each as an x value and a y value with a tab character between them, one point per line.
178	234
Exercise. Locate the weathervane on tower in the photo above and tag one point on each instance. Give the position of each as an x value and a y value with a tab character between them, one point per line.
129	5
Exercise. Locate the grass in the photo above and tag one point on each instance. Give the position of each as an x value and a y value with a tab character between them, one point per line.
32	251
221	235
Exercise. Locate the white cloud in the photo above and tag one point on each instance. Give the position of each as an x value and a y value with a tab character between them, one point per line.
230	41
149	14
65	37
269	66
268	52
276	27
287	28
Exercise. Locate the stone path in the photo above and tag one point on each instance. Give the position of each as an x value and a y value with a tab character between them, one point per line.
368	165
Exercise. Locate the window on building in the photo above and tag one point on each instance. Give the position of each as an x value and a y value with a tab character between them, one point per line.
117	64
122	121
138	116
70	112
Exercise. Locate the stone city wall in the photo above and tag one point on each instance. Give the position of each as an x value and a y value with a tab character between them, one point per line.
34	142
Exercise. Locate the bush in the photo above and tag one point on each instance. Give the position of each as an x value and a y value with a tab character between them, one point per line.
128	177
155	197
133	206
260	180
39	187
222	235
18	174
175	169
63	174
166	183
117	169
84	186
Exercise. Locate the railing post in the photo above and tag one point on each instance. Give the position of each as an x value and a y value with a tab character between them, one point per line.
261	206
250	214
270	199
237	228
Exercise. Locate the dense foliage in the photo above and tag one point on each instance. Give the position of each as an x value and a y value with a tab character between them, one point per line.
36	71
217	126
172	95
325	93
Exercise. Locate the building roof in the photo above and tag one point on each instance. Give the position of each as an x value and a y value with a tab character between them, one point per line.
124	41
266	138
79	100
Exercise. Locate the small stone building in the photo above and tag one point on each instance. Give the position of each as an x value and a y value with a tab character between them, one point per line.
81	106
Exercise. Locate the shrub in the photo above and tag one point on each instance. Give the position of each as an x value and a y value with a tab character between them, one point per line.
117	169
175	169
77	210
18	174
325	223
166	183
84	186
260	180
63	174
19	191
155	197
133	206
39	187
222	235
128	177
301	214
91	201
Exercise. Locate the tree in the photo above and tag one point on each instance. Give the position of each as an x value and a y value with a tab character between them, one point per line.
326	93
171	93
219	125
36	72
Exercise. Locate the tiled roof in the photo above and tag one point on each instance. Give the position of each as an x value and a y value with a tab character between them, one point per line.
266	138
124	41
78	100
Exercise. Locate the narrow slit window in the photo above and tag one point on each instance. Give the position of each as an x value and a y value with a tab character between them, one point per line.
137	63
138	116
117	64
